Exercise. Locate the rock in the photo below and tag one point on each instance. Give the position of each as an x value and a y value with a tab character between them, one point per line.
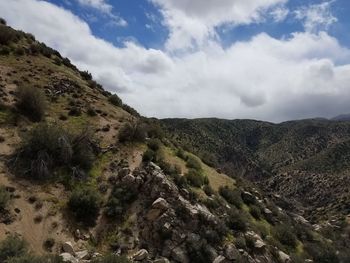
129	180
179	255
68	247
123	172
141	255
96	255
161	204
231	252
161	260
77	234
219	259
67	257
259	243
84	254
284	257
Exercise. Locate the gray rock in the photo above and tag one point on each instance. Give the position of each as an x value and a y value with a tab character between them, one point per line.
141	255
67	257
68	247
84	254
161	260
220	259
231	252
284	257
179	255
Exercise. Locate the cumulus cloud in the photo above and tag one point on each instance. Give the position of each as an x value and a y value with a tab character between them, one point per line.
317	16
106	8
192	22
306	74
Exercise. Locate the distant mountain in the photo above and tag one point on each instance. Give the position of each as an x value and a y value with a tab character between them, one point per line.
343	117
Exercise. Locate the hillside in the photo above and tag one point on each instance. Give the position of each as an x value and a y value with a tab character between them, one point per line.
305	161
85	178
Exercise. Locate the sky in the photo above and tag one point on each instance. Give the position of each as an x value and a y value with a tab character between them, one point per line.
272	60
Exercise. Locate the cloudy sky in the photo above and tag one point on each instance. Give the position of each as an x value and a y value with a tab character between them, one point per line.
271	60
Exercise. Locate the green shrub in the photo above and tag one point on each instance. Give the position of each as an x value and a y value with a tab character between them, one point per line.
115	100
5	51
255	211
4	198
7	35
154	144
84	203
181	154
240	243
48	147
19	51
236	221
322	253
208	190
193	163
284	234
130	110
148	156
198	251
119	200
84	74
3	21
31	103
196	178
233	196
111	259
133	132
12	247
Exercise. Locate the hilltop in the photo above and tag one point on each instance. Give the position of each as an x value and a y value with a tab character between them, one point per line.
84	176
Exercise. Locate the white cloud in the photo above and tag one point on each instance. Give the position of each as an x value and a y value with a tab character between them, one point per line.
101	5
304	75
192	22
317	16
106	8
279	13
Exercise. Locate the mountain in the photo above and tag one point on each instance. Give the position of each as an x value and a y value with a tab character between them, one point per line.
343	117
85	178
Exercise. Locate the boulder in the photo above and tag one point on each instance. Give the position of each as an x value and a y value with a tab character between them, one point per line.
84	254
284	257
161	260
179	255
140	255
220	259
161	204
231	252
68	247
67	257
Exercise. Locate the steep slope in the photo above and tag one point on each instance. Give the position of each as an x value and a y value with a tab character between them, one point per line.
315	151
84	174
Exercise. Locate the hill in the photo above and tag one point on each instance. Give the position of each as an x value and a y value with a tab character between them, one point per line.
85	178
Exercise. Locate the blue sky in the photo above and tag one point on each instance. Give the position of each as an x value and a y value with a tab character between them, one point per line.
272	60
139	13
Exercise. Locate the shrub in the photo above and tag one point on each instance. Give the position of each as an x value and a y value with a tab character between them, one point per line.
193	163
208	190
12	247
233	196
111	259
195	178
240	243
236	221
148	156
19	51
4	198
31	103
119	200
322	253
132	132
91	112
154	144
48	147
7	35
5	51
181	154
198	251
255	211
115	100
84	203
130	110
84	74
2	21
284	234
